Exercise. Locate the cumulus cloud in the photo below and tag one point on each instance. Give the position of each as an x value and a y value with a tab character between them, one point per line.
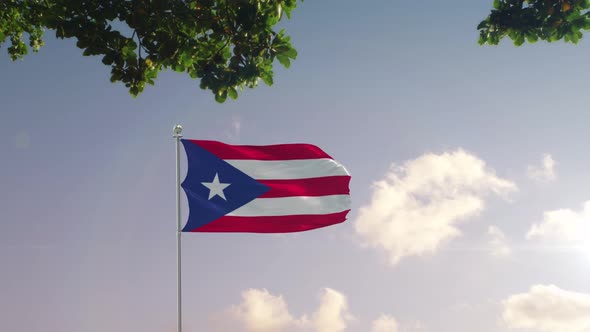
563	225
498	244
417	206
385	323
261	311
544	172
548	308
332	314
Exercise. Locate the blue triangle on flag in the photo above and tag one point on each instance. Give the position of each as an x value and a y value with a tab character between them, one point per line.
203	166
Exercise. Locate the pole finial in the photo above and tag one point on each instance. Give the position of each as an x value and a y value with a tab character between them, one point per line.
177	130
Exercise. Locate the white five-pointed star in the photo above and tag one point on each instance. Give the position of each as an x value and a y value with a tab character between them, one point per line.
216	187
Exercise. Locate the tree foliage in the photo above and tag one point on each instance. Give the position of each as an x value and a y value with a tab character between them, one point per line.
532	20
227	44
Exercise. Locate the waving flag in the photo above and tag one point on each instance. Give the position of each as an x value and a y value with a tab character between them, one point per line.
263	189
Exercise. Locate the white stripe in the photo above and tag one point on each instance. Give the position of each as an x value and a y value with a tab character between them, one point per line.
288	169
293	206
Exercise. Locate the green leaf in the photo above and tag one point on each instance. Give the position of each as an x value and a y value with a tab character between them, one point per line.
221	96
291	53
178	67
481	40
108	59
226	53
267	78
532	37
519	40
233	94
574	37
186	60
284	60
482	25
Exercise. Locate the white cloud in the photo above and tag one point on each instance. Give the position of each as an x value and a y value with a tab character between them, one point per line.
332	314
385	323
261	311
548	308
563	225
415	209
498	245
545	172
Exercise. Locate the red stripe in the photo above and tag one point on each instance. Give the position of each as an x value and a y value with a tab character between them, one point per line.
262	152
277	224
328	185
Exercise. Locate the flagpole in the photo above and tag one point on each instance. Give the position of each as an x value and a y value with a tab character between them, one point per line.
177	136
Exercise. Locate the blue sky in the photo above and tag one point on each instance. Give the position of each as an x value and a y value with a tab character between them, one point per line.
87	227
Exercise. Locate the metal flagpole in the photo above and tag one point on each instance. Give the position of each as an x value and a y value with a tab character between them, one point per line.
177	136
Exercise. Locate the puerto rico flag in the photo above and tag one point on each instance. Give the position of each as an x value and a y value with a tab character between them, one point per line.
263	189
